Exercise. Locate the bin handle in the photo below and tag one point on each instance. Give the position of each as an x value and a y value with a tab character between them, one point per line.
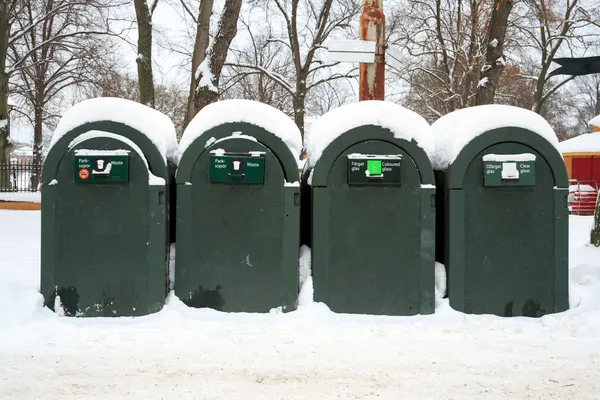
236	175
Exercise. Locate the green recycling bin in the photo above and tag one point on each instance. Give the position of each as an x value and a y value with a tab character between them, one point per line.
502	212
105	200
369	210
238	209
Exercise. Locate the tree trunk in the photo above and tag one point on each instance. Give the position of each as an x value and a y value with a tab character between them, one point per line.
595	236
200	46
494	58
38	115
207	93
144	57
299	101
5	142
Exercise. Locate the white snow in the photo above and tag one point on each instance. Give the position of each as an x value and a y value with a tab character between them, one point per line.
291	184
427	186
206	81
53	182
155	125
306	292
94	152
403	123
455	130
509	157
29	197
500	61
581	188
311	353
226	111
586	143
354	156
483	82
595	121
440	281
494	42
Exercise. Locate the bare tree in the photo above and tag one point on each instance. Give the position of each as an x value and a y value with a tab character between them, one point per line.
30	32
443	42
253	84
144	57
549	28
308	24
57	59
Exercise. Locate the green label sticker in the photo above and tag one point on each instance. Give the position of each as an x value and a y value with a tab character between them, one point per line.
497	172
102	166
237	168
374	167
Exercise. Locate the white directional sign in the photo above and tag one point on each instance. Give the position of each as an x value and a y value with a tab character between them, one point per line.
361	51
393	57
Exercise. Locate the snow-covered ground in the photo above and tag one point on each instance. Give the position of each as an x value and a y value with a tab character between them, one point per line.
311	353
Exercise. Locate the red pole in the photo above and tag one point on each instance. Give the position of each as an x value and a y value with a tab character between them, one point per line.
372	27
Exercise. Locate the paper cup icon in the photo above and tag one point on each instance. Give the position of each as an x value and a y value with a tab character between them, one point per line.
236	165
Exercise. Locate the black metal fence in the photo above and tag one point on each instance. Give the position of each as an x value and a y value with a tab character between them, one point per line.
20	176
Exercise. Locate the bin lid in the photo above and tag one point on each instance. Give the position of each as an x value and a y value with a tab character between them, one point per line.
455	130
403	123
151	123
239	110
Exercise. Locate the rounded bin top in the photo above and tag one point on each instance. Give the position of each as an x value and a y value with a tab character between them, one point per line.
454	131
151	131
401	122
235	111
149	122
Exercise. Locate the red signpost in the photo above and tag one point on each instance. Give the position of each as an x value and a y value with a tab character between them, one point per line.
372	28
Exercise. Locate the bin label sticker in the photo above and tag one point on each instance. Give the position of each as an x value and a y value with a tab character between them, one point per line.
508	170
109	168
375	169
236	168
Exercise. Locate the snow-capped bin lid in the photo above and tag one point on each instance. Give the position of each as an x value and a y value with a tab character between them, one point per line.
463	135
270	119
349	125
455	130
155	125
151	131
240	120
586	143
595	121
399	121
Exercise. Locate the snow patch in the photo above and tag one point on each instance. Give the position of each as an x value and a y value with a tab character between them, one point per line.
494	43
206	77
455	130
29	197
306	293
155	125
595	121
403	123
509	157
291	184
253	112
483	82
440	280
172	250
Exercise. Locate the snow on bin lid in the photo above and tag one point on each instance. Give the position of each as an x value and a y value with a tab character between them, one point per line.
239	110
595	121
455	130
155	125
586	143
403	123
